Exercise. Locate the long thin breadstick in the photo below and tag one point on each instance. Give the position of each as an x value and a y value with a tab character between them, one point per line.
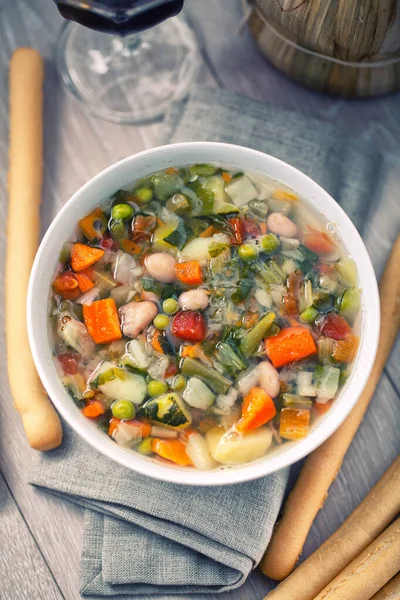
41	423
367	573
370	518
391	591
322	466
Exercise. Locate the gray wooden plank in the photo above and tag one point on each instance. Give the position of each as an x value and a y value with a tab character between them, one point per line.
76	147
23	571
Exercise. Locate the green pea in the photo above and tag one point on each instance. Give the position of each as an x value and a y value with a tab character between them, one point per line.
145	447
179	383
170	306
156	388
269	243
309	315
123	409
144	194
161	322
122	212
247	252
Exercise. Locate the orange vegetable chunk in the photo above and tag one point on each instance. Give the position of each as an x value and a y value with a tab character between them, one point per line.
101	320
345	350
83	256
84	282
66	285
94	224
173	450
257	409
142	426
189	272
320	408
318	241
93	409
291	343
294	423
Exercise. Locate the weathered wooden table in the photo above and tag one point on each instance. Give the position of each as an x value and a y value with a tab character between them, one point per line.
41	535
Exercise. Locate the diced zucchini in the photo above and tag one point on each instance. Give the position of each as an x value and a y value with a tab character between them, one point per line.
178	235
168	409
230	448
119	384
159	238
296	401
241	191
259	208
347	271
137	354
197	394
326	381
219	384
321	299
166	185
350	304
178	204
221	198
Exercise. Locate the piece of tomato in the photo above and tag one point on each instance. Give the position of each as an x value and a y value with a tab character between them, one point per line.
334	326
189	325
68	363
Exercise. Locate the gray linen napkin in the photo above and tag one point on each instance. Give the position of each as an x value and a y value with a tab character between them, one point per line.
147	537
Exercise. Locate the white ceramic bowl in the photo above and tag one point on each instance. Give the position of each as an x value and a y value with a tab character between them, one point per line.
140	165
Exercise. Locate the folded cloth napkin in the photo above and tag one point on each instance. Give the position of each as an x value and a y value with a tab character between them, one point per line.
148	537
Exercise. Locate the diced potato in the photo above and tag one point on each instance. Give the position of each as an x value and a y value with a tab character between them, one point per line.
75	334
199	453
119	384
197	249
230	448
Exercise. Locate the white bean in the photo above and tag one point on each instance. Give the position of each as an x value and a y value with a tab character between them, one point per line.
161	266
193	300
281	225
151	296
135	316
268	378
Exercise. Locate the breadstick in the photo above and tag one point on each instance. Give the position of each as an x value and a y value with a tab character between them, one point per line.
390	591
41	423
322	466
367	573
369	519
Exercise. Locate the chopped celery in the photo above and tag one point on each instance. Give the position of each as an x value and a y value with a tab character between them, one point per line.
325	349
178	204
347	271
229	358
190	367
328	283
259	208
321	299
309	315
166	185
202	170
216	248
350	304
252	339
197	394
270	272
304	383
295	400
241	190
326	380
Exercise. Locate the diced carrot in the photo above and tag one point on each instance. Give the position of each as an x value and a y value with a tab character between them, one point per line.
66	285
189	272
227	177
155	342
171	171
143	426
93	409
294	423
101	320
249	319
207	232
291	343
282	195
195	351
130	247
93	225
263	228
320	409
257	409
318	241
345	350
83	256
84	282
173	450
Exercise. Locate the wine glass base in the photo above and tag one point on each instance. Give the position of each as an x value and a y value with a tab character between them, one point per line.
132	79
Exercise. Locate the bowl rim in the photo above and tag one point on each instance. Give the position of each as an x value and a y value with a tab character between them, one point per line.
224	475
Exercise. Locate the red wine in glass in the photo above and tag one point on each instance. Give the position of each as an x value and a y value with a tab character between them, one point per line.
121	17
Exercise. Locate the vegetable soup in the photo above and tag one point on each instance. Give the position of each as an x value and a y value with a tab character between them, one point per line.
203	315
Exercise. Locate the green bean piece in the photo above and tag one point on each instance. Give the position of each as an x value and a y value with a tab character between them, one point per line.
219	384
309	315
250	342
203	170
118	229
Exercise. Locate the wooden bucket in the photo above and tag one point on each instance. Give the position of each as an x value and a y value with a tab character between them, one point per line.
344	47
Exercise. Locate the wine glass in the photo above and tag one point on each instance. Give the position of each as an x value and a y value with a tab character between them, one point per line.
122	67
